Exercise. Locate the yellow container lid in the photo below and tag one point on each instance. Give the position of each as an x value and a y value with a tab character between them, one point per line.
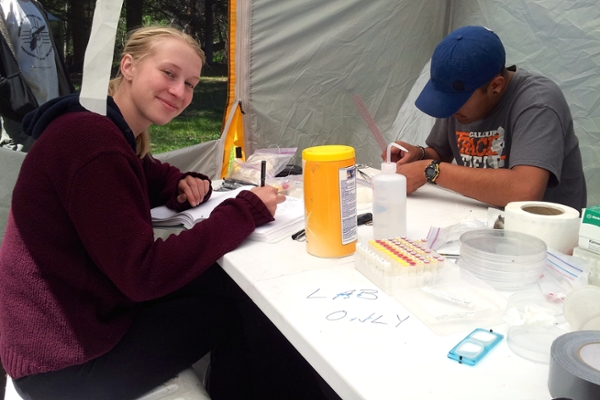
332	152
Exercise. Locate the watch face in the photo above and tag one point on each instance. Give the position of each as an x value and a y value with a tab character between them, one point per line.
431	172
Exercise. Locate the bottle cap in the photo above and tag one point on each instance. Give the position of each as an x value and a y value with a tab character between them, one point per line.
388	167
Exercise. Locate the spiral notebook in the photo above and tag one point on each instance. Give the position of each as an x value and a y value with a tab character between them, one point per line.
289	216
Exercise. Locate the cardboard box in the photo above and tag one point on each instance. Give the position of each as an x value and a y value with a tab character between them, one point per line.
589	230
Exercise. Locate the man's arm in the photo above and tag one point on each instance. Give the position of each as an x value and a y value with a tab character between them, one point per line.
496	187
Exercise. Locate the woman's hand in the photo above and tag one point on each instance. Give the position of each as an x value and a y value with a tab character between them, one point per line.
270	196
193	190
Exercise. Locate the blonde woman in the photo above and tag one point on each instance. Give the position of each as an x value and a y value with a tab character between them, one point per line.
91	306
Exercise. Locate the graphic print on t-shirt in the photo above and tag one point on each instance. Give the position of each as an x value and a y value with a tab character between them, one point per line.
35	38
482	149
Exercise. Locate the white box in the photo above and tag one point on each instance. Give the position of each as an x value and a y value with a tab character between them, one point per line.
589	230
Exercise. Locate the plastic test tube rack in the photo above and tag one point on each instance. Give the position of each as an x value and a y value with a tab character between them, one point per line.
396	264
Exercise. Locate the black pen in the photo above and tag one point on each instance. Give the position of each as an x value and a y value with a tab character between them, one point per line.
263	172
298	234
360	220
364	218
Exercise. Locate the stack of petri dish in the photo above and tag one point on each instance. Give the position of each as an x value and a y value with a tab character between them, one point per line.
505	260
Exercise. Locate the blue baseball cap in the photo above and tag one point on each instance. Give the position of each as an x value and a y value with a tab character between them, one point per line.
465	60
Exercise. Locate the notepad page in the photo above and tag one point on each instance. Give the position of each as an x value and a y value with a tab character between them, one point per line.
164	216
289	218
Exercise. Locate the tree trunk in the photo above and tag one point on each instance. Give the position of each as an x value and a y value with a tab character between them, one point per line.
208	30
80	35
133	14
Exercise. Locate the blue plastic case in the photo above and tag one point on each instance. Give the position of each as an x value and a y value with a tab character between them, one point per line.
475	346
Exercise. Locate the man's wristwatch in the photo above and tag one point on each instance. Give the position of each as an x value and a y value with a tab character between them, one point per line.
432	171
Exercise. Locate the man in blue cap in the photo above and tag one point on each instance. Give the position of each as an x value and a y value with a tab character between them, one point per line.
509	132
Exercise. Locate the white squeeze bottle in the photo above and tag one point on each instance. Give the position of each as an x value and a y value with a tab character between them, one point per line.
389	200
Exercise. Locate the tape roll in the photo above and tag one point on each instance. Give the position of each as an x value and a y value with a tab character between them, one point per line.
575	366
556	224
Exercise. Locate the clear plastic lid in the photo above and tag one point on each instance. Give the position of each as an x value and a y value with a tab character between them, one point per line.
502	275
532	341
501	265
522	301
503	280
500	246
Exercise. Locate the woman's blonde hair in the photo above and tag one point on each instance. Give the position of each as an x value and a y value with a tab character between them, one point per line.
140	43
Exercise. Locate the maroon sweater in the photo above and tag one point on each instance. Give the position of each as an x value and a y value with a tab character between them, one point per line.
79	255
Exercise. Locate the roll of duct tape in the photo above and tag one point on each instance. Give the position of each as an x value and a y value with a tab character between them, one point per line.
575	366
556	224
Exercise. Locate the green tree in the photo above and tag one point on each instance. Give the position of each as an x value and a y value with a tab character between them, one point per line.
206	20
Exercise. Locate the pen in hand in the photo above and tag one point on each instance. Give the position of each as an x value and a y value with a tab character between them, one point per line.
263	172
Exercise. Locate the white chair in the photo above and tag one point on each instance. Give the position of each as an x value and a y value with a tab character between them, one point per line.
184	386
10	393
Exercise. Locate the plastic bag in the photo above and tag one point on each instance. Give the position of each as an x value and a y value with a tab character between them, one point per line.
291	185
249	171
439	237
563	273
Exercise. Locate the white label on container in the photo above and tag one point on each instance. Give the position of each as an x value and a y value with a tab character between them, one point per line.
347	185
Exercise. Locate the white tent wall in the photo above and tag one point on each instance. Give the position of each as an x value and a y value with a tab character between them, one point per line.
205	158
307	59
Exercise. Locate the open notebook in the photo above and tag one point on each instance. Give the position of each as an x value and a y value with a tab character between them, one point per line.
289	217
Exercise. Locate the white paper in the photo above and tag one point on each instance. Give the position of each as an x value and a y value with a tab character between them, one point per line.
289	217
99	55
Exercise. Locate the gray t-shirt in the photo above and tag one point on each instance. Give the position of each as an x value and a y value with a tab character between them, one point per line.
34	49
531	125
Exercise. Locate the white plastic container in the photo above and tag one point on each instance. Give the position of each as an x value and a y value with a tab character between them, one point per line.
582	308
389	203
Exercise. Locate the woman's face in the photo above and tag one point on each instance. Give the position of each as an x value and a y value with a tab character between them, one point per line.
162	83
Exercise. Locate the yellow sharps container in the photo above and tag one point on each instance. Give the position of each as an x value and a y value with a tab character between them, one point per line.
330	200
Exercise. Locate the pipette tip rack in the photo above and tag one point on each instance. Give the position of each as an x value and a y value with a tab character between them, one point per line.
396	264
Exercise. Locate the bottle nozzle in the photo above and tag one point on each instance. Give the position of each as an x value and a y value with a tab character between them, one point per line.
389	150
388	167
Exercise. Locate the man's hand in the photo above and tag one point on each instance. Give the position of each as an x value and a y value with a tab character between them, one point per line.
415	153
400	156
193	190
414	173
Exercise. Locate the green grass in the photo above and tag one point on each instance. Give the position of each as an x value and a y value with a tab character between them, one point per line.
200	122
